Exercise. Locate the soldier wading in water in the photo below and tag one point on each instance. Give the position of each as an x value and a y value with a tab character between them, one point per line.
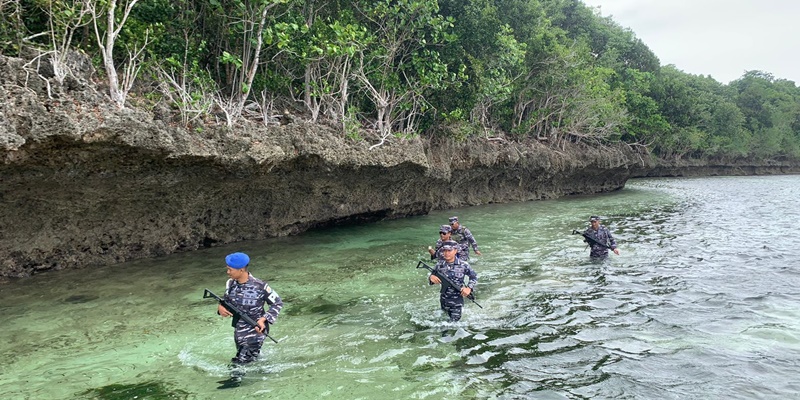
451	299
600	234
248	294
464	238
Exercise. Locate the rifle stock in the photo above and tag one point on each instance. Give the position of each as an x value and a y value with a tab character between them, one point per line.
447	281
237	313
591	239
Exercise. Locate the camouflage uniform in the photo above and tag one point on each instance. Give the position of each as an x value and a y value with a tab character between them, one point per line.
437	254
450	299
602	235
464	237
250	298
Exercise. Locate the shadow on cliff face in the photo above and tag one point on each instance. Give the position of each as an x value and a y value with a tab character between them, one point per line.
78	204
84	183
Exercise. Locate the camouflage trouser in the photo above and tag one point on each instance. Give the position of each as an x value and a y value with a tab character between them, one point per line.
599	253
248	343
452	305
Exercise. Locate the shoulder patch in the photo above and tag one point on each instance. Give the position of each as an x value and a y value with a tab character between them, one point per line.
267	288
272	297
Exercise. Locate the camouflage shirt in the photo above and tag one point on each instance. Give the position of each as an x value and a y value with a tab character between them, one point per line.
602	235
251	296
464	237
456	271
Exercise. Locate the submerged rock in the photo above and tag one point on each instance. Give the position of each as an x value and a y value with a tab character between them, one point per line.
144	390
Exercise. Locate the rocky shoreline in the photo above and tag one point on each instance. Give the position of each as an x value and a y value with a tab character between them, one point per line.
83	183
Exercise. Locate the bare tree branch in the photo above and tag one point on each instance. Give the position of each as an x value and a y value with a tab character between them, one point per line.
106	44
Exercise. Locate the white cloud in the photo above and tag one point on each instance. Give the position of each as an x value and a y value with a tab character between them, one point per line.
721	38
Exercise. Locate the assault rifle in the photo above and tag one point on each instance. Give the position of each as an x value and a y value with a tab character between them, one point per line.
591	240
447	281
237	313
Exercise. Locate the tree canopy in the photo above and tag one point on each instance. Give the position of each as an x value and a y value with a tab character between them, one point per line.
550	70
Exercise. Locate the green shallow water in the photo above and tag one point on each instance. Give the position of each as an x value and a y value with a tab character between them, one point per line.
702	303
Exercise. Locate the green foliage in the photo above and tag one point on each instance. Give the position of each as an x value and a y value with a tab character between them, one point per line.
645	122
611	44
172	32
555	70
402	66
456	126
20	19
771	110
456	115
694	107
751	118
488	56
228	58
352	126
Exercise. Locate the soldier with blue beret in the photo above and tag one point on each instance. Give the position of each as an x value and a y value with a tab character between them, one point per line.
248	294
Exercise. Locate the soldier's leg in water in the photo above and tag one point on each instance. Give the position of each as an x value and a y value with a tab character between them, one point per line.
453	306
248	348
455	314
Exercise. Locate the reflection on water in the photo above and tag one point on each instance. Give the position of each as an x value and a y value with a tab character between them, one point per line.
701	303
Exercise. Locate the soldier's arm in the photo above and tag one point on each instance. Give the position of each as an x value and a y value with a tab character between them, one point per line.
275	304
471	239
221	310
611	241
473	280
473	277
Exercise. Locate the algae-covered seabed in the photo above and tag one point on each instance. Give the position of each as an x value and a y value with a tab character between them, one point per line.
667	318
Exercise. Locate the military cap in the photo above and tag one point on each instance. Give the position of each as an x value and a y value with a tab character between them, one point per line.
449	245
237	260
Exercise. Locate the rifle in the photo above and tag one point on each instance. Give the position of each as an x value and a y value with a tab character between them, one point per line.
446	280
237	313
591	239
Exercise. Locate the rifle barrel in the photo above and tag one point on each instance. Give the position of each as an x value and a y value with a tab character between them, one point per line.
591	239
236	312
447	280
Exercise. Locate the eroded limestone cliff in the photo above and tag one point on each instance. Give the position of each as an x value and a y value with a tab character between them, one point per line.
83	183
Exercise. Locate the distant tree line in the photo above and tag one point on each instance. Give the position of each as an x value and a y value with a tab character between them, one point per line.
550	70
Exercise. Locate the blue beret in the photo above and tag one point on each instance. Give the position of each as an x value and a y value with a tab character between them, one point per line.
237	260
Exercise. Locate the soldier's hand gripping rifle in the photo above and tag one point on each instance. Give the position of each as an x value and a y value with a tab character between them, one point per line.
446	281
237	313
591	240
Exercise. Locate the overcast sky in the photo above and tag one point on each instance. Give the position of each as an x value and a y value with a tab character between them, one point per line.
721	38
